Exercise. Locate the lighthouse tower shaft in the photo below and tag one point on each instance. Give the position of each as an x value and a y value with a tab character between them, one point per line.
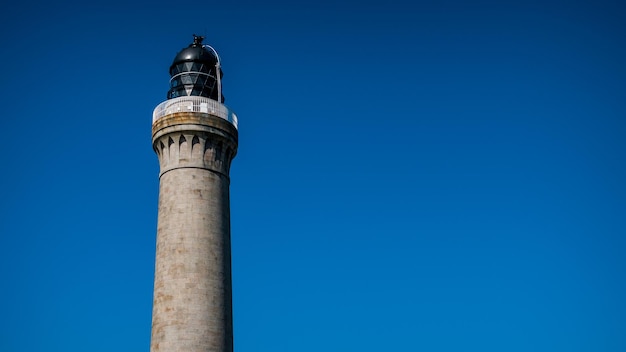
192	309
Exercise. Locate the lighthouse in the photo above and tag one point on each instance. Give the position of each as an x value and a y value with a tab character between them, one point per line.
195	138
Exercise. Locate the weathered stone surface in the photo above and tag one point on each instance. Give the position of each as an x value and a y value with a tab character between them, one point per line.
192	309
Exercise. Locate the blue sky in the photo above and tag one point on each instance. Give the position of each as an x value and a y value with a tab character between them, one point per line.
414	176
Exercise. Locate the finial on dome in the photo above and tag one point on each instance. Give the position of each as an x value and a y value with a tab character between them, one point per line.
197	40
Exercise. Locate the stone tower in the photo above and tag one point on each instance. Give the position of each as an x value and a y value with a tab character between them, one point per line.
195	138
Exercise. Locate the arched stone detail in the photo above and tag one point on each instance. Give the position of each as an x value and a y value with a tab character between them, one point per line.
184	150
229	157
173	150
218	156
197	147
209	153
218	150
166	146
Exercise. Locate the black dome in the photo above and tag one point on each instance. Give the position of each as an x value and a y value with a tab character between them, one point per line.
194	53
193	72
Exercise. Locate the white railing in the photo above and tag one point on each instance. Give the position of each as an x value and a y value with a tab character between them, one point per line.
194	104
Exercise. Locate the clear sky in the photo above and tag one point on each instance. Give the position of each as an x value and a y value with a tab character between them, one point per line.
411	176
